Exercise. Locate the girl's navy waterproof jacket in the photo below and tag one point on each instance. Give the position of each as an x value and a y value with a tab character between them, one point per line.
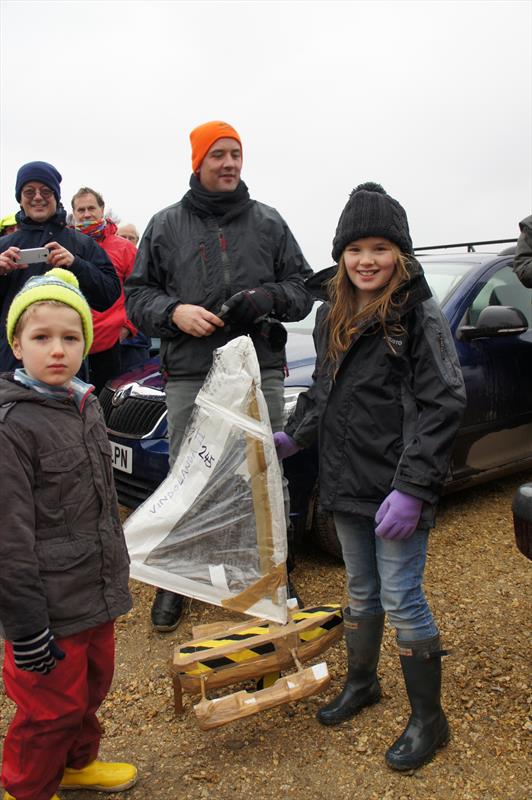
389	417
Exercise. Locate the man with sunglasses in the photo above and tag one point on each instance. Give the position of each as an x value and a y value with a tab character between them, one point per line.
42	223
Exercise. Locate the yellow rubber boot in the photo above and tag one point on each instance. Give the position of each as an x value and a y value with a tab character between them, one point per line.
8	796
101	776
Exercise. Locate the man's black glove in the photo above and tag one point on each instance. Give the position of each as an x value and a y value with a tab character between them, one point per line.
37	653
245	308
273	332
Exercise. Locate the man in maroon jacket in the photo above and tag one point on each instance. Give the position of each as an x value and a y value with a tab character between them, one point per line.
111	327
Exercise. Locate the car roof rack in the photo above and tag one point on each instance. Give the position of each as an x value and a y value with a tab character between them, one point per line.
470	245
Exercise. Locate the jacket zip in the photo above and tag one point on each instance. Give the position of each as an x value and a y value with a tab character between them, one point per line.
226	264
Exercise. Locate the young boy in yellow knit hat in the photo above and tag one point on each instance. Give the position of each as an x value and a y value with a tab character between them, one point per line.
64	561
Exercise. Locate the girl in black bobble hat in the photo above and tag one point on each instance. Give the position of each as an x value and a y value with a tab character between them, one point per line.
385	404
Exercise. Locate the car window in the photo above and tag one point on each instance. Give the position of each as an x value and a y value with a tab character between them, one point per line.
444	276
305	325
503	289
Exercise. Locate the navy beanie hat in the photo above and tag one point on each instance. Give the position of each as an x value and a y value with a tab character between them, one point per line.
38	171
370	211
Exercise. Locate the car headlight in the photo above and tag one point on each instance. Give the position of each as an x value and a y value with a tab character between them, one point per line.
291	393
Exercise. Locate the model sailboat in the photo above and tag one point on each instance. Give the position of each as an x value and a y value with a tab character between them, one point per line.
215	530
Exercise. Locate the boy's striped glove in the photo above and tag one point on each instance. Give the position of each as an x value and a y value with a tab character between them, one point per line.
37	653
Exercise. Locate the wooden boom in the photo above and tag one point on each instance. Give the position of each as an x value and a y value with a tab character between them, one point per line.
221	710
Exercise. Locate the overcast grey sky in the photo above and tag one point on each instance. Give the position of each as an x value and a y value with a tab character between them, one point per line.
431	99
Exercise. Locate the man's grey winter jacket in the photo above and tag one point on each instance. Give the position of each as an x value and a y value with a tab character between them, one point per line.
183	258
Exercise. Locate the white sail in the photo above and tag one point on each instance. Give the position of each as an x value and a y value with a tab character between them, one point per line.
215	528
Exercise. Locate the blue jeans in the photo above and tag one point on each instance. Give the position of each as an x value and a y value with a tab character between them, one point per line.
386	575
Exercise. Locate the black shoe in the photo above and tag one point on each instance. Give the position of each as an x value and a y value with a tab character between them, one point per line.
166	610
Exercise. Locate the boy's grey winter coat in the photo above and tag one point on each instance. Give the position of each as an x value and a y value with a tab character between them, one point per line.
63	554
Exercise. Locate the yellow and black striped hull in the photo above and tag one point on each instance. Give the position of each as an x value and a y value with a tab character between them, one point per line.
249	651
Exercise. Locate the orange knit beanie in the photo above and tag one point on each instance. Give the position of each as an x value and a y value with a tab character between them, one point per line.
204	136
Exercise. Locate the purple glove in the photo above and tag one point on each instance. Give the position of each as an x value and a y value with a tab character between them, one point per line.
398	515
284	445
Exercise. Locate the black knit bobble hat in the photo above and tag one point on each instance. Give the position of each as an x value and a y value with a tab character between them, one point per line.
371	212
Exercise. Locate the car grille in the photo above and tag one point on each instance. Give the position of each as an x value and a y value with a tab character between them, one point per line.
136	416
131	491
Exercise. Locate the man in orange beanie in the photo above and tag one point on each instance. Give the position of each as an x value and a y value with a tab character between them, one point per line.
202	137
213	266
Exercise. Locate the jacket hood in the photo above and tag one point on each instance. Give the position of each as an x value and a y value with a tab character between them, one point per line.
59	218
11	391
110	227
416	284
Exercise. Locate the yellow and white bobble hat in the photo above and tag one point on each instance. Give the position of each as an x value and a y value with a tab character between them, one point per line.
56	284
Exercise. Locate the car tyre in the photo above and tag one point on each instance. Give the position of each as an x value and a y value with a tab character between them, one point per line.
522	514
324	532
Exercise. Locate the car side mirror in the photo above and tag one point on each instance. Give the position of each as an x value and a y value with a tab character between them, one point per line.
496	321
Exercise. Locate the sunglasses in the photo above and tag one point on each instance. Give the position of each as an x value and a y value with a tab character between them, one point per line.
29	194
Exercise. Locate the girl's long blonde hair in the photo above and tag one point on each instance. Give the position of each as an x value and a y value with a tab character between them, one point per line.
345	321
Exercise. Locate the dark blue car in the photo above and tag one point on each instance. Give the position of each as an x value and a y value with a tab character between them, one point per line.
490	315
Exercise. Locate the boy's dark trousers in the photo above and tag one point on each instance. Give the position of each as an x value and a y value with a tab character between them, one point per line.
55	725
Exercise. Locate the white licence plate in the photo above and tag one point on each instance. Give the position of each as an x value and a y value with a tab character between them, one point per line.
122	457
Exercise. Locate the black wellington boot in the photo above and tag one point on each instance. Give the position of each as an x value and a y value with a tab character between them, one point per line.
427	728
363	637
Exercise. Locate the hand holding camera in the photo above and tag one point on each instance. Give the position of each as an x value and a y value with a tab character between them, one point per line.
15	258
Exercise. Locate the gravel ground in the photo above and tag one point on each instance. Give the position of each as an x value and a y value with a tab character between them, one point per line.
478	584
